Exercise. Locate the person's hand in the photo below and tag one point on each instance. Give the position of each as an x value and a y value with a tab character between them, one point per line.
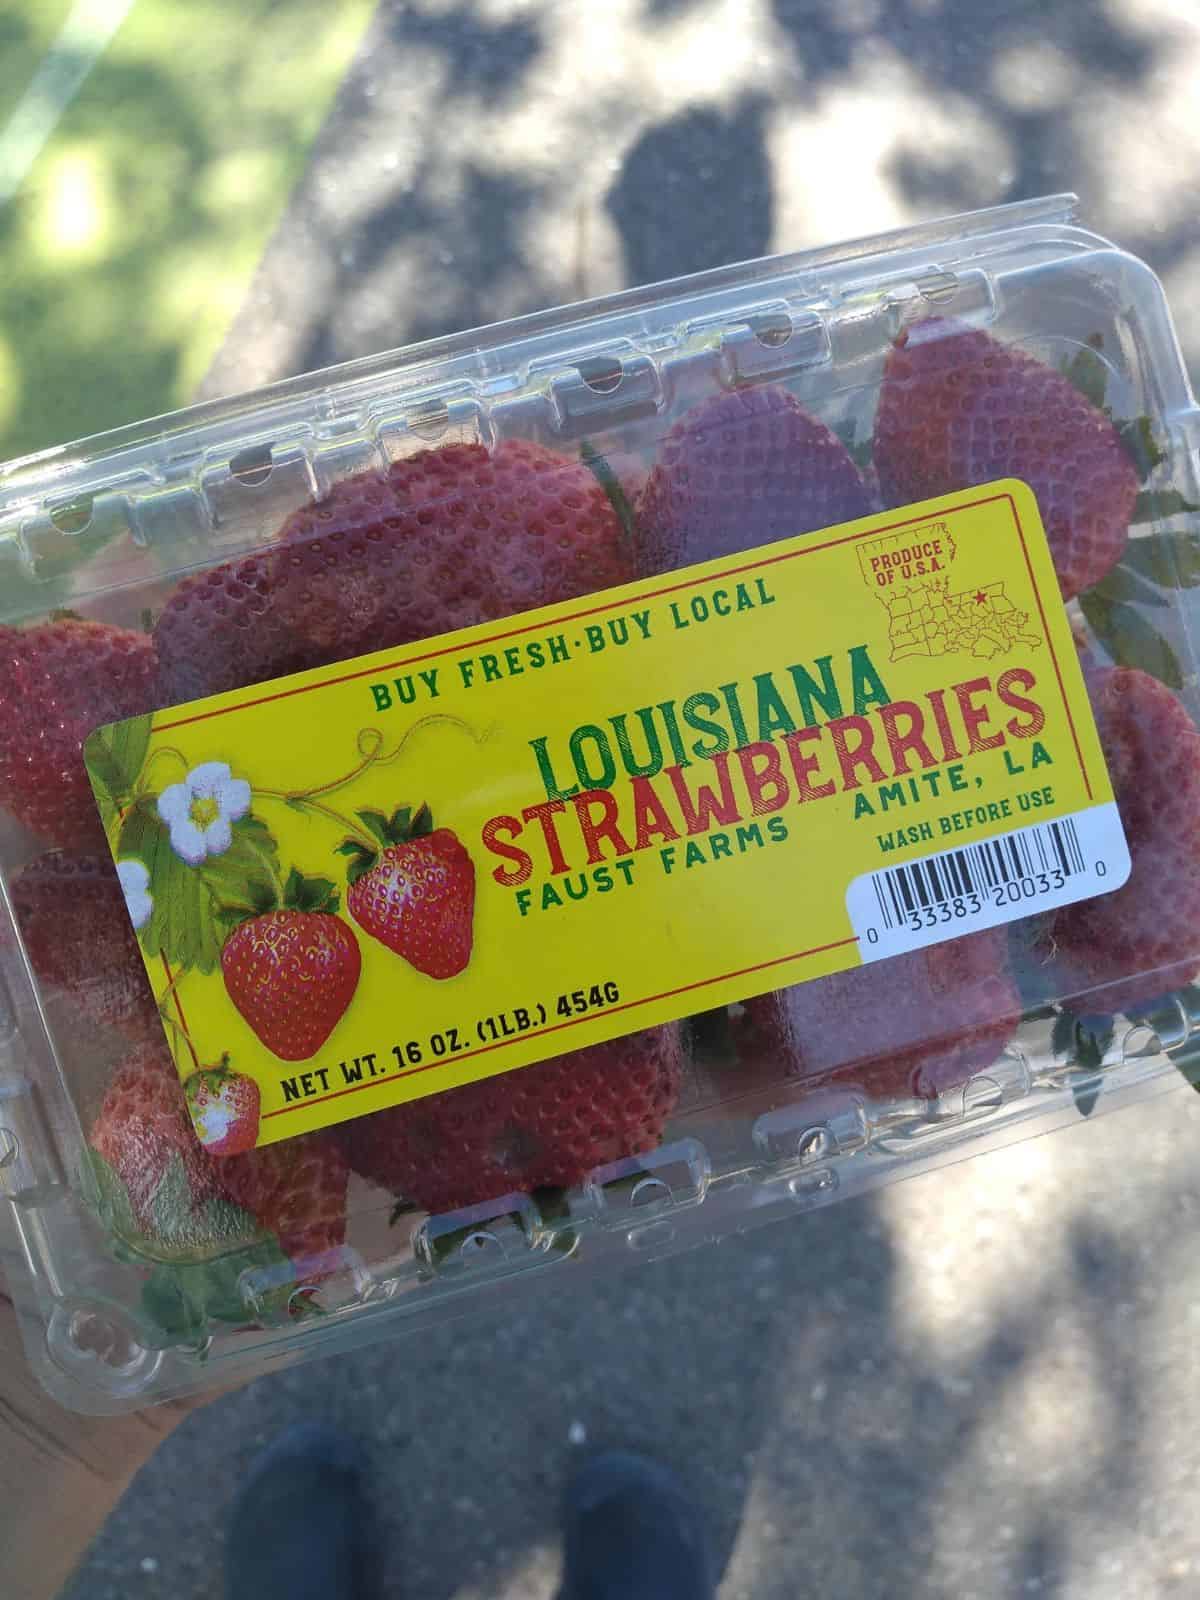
60	1474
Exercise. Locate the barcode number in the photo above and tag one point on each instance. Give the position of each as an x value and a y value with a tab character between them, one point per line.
987	882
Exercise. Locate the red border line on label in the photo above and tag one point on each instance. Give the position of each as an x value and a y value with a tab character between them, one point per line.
557	1027
1037	593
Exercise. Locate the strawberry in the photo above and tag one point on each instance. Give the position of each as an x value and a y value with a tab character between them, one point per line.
291	969
141	1131
957	408
445	538
297	1190
1143	940
740	470
416	894
920	1023
59	681
224	1108
71	912
177	1198
546	1125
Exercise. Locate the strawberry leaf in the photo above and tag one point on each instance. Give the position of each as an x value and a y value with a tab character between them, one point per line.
1085	1041
1085	1092
1137	435
114	757
261	898
182	927
380	826
361	859
422	823
1088	371
309	894
859	450
182	1300
1169	559
1122	583
1129	638
246	873
187	925
601	469
1158	505
109	1196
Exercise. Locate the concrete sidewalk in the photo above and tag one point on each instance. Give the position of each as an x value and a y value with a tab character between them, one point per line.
980	1385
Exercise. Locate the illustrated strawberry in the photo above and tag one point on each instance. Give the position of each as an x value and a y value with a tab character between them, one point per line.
448	537
224	1107
958	408
1143	940
740	470
416	892
58	681
71	913
291	967
921	1023
164	1196
546	1125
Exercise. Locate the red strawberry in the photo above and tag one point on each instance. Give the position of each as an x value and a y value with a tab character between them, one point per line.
295	1190
224	1108
546	1125
59	681
957	408
445	538
142	1130
292	970
740	470
919	1023
77	934
1143	940
417	894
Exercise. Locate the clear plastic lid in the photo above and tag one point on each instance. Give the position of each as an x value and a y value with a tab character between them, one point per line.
459	485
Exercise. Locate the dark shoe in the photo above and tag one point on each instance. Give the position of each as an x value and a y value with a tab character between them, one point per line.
300	1525
633	1534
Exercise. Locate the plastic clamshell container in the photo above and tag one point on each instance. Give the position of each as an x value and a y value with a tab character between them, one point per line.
753	1125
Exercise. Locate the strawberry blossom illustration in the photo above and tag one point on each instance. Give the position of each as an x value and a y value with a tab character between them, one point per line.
200	811
202	890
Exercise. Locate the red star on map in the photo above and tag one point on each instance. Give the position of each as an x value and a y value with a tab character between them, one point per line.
980	598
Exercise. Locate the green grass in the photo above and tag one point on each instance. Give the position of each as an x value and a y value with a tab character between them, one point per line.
128	248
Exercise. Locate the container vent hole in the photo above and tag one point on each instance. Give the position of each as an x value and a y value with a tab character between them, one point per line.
252	466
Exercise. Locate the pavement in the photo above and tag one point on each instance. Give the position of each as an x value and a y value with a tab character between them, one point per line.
978	1383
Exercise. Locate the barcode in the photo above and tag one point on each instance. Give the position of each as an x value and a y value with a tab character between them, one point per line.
988	881
1043	851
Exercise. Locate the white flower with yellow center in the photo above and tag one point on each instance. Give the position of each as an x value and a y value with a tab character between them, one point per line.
200	811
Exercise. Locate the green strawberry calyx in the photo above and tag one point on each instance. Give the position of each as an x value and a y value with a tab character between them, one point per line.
1089	373
401	827
211	1075
1120	608
600	467
299	893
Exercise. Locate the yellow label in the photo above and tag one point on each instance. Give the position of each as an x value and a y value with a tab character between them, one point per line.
653	801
